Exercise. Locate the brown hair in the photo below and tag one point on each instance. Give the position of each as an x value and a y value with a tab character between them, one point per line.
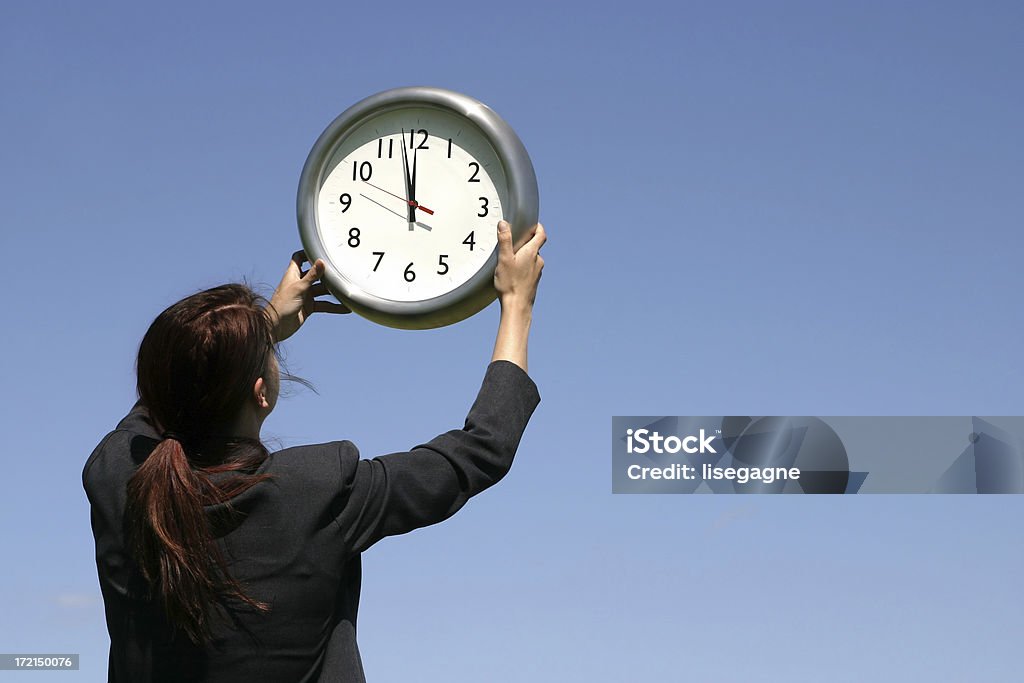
196	369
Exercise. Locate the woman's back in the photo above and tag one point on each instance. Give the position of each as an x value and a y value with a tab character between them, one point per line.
294	541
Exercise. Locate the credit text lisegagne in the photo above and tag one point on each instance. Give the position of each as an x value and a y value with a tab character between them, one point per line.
642	441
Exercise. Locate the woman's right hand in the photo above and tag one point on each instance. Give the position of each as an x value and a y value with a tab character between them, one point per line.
518	272
516	279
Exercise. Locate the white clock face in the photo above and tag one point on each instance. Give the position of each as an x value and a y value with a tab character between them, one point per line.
409	204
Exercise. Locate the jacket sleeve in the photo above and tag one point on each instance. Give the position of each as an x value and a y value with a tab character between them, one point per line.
398	492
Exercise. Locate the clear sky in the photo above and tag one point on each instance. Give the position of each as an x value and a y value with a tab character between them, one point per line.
753	208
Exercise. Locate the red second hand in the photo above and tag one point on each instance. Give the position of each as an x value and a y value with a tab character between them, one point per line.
417	205
414	204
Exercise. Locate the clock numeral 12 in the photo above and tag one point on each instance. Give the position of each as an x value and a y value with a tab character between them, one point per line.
423	142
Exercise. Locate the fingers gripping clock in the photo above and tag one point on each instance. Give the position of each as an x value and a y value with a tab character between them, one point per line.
400	196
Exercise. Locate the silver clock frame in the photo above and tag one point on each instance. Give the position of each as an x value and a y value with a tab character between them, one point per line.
521	210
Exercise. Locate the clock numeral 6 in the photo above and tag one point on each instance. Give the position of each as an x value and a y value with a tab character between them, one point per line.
353	237
362	170
409	275
380	257
442	264
476	169
346	202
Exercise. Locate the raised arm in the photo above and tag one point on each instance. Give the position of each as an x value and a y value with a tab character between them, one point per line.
396	493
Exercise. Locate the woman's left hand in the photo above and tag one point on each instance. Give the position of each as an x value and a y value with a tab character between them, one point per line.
294	299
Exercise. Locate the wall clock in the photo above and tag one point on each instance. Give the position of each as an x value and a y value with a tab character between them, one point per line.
401	196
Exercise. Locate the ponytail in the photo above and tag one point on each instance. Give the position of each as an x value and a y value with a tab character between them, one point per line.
172	541
196	369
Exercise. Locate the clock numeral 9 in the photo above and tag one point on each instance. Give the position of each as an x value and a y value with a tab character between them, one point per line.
483	207
346	202
353	237
442	264
476	169
423	142
469	240
362	170
409	275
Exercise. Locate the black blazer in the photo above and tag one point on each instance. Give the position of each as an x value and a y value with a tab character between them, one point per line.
298	544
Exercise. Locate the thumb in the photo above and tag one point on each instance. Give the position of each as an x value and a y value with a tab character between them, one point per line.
504	239
315	272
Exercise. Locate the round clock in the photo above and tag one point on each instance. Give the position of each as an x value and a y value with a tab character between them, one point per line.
401	196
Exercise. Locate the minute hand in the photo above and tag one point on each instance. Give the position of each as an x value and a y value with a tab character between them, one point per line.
408	184
412	190
413	203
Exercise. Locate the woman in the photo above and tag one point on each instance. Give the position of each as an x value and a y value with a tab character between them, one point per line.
219	561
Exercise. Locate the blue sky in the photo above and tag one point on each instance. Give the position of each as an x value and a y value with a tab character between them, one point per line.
801	208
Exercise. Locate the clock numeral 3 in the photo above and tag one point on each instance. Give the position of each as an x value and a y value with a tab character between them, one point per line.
483	207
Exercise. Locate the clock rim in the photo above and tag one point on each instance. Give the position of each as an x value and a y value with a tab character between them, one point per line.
521	212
